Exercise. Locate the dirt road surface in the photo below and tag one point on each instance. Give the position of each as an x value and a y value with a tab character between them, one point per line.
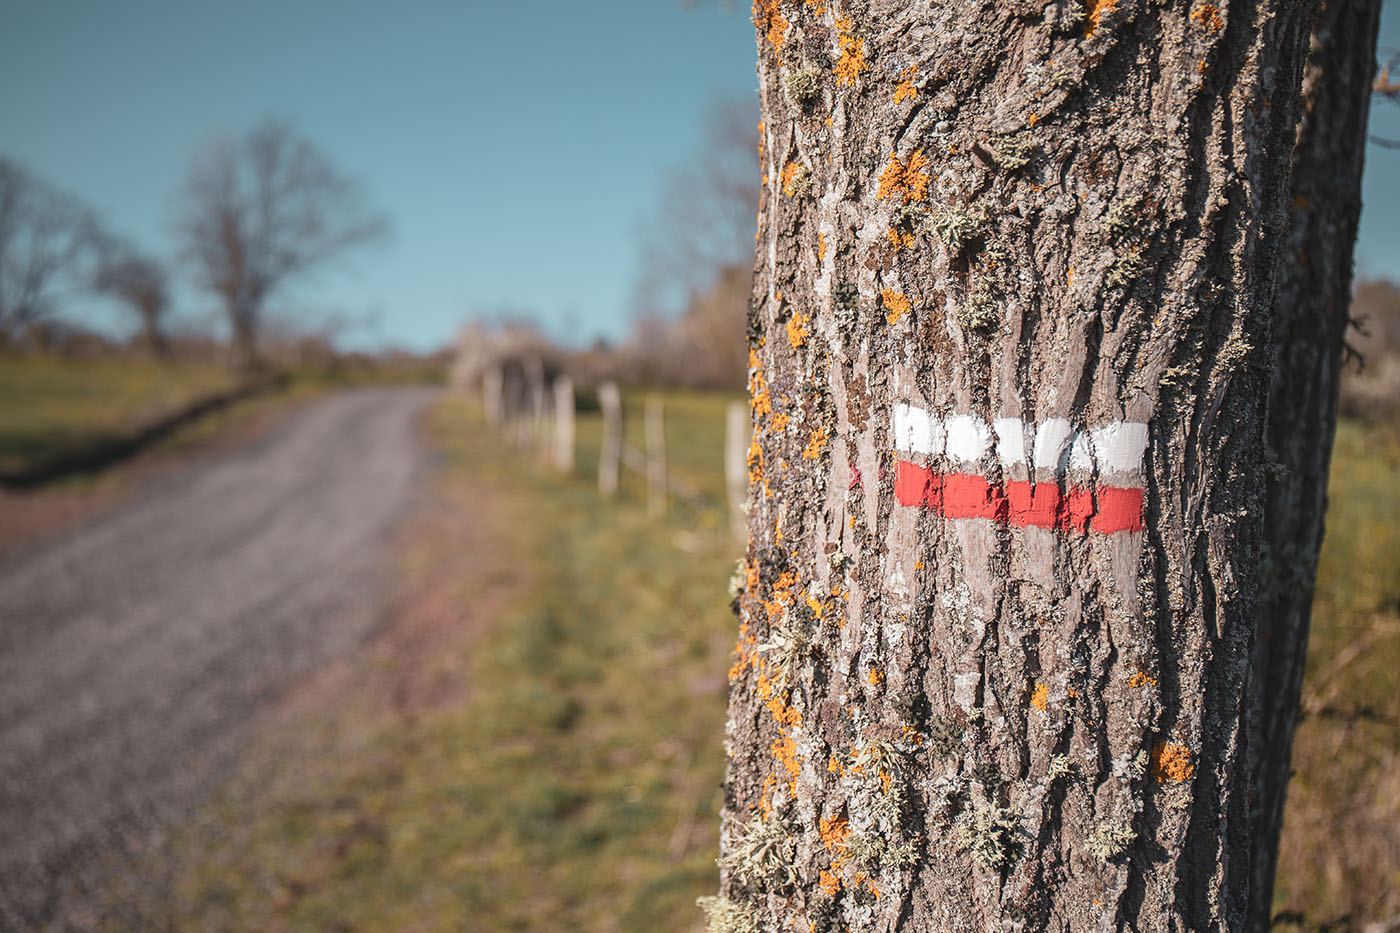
136	649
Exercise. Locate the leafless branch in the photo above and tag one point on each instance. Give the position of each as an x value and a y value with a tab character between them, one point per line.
47	241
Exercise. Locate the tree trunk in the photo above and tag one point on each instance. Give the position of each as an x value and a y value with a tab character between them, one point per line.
1009	367
156	343
1310	319
243	351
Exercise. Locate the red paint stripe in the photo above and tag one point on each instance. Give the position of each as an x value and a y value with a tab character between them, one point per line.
1104	509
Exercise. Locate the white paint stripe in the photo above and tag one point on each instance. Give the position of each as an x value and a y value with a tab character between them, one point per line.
1011	441
916	432
969	438
1117	447
1080	456
1051	440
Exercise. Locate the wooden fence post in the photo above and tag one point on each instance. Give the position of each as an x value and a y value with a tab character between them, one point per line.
492	383
738	429
564	424
656	456
534	432
610	452
514	397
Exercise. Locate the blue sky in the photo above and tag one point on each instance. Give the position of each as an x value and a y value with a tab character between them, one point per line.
515	146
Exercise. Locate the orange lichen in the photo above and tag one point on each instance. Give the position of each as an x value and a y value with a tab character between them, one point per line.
834	830
816	606
895	303
745	651
821	246
783	596
789	173
755	464
1094	11
1040	697
784	715
769	18
1032	119
863	878
784	751
852	60
906	180
1069	279
758	387
905	89
1140	679
1172	762
874	676
900	239
797	332
829	882
1208	15
765	802
780	421
815	444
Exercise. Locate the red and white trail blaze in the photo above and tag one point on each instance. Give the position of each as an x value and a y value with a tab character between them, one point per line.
1053	474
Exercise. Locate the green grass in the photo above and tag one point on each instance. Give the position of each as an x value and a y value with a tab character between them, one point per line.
50	407
577	786
1340	852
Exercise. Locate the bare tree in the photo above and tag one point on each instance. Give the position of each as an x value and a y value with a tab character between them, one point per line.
703	219
47	245
690	297
142	285
263	210
1011	376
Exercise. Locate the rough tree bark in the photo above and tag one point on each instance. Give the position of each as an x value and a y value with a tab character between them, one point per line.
1010	356
1310	319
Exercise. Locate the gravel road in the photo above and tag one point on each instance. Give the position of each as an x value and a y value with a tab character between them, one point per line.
135	649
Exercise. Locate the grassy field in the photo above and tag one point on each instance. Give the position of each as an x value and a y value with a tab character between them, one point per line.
574	784
50	406
1340	854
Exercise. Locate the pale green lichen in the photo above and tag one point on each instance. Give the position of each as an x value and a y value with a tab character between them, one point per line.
725	916
1060	766
761	854
1013	152
957	228
1124	217
978	312
737	579
989	836
804	86
787	647
1109	840
871	850
1127	266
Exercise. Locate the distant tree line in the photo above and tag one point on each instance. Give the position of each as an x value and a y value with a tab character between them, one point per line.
254	213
